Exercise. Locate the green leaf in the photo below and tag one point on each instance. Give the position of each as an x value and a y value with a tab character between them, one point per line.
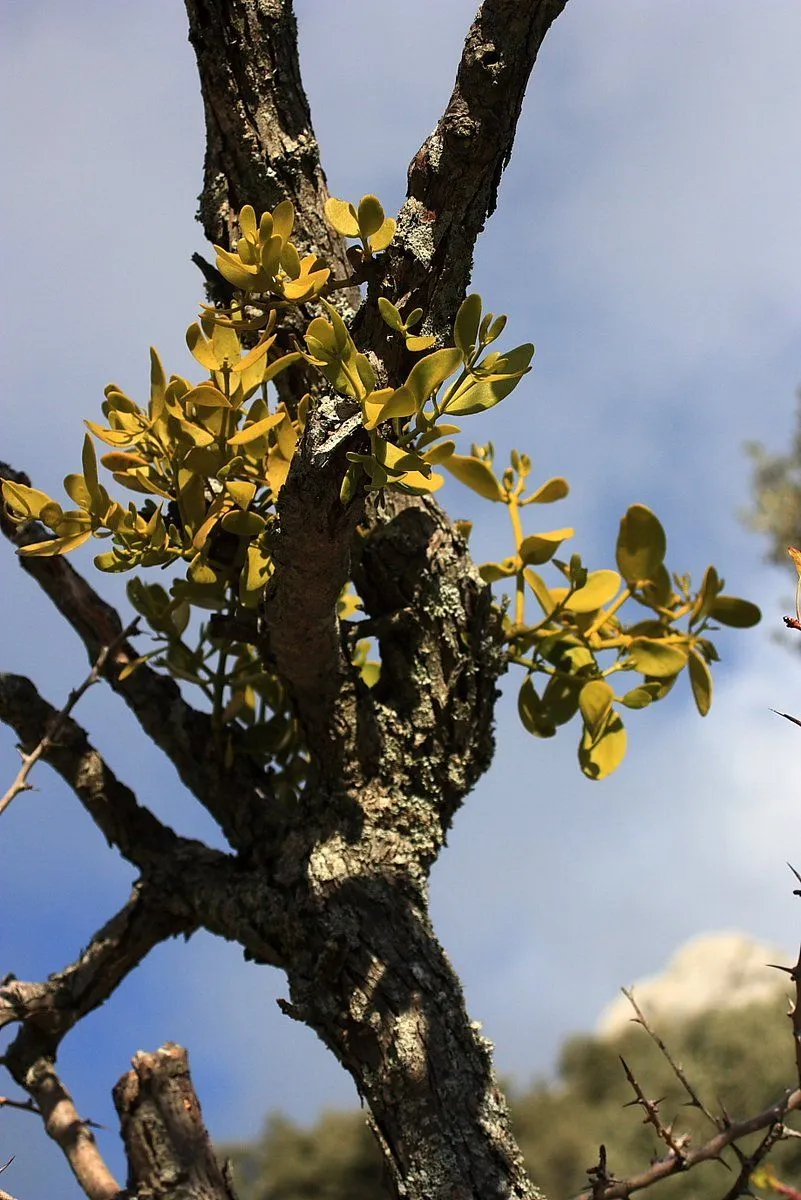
707	594
731	610
251	432
428	375
390	314
541	547
532	712
201	349
601	587
641	545
640	697
656	658
475	474
554	489
342	216
561	698
465	328
370	216
538	586
491	572
701	682
380	240
242	524
595	701
600	758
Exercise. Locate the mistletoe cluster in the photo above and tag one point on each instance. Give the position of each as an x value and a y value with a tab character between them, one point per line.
207	462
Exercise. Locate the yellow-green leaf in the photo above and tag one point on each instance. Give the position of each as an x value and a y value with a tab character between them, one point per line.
601	587
595	701
465	327
60	545
546	601
417	342
25	501
201	349
242	524
700	681
641	545
342	216
206	395
731	610
599	758
533	713
554	489
541	547
283	220
251	432
491	572
370	216
427	375
656	658
475	474
390	314
380	240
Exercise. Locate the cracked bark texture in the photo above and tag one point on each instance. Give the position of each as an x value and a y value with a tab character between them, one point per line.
335	890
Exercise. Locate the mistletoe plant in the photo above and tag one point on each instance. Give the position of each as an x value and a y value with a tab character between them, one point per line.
207	462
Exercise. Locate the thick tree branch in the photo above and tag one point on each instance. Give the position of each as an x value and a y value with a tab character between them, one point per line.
168	1148
53	1007
237	794
454	177
311	552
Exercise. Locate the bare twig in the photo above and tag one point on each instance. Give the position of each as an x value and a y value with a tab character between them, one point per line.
50	737
708	1152
786	716
600	1175
125	823
676	1145
750	1162
795	1010
695	1100
23	1106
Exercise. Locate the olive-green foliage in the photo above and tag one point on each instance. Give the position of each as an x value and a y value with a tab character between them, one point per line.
776	481
740	1057
207	462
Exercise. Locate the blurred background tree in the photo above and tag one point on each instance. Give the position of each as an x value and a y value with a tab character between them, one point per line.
737	1058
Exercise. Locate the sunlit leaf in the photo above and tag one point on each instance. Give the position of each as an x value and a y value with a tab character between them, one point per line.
599	758
656	658
641	544
342	216
595	702
540	547
475	474
533	713
701	682
731	610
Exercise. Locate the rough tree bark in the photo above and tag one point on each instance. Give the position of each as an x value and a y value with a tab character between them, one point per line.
335	892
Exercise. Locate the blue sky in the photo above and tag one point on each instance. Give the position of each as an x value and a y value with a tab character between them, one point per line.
647	242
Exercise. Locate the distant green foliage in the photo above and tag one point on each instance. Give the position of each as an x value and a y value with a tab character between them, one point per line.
740	1057
776	481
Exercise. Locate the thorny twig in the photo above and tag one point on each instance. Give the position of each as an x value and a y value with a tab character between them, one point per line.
640	1019
29	760
676	1145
